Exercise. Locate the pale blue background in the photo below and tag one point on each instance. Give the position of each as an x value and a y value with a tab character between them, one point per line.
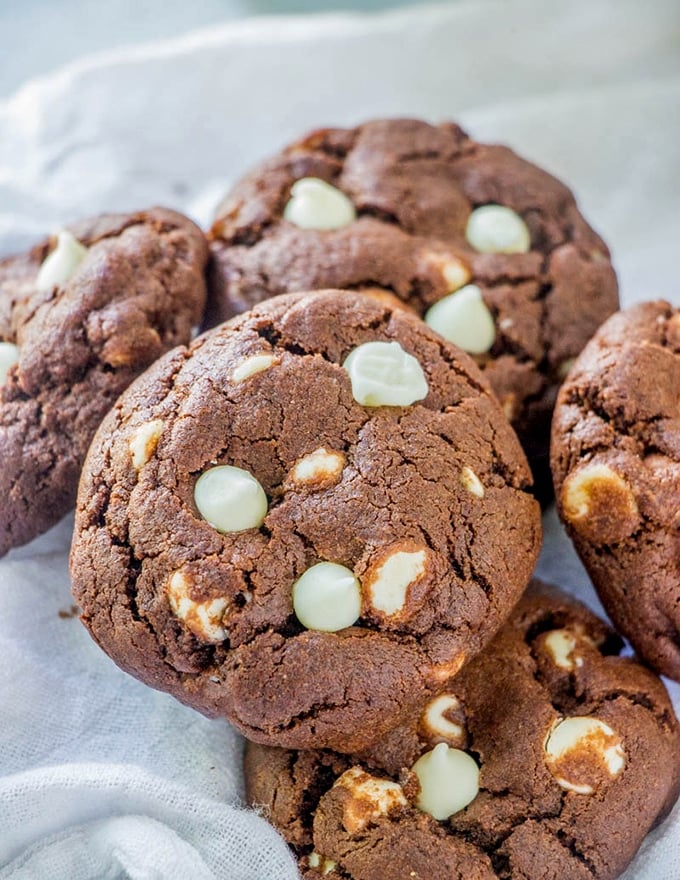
39	35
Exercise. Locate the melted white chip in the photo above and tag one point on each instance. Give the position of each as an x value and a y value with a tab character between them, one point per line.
322	464
389	587
443	671
464	319
596	485
449	781
371	799
574	744
437	722
455	273
315	204
326	866
383	374
470	481
561	644
144	441
230	499
61	263
248	367
204	619
9	355
327	597
495	229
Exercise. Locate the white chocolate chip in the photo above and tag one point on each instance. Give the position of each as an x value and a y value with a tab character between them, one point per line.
322	465
249	366
579	487
456	274
470	481
561	644
599	503
437	721
204	619
388	585
327	597
326	866
371	798
464	319
315	204
444	671
581	750
61	263
9	355
383	374
144	441
495	229
230	499
449	781
454	271
386	298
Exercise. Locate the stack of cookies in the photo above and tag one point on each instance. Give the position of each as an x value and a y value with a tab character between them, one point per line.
320	519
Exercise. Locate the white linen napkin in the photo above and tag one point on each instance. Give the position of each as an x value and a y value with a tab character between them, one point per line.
101	777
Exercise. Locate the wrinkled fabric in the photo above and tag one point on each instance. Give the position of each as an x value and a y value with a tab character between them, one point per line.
101	777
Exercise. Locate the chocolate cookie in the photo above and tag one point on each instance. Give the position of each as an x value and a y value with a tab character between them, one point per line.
490	249
306	522
81	315
616	461
548	757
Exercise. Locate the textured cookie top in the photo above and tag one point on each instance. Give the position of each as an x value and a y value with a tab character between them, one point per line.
547	756
81	316
519	278
616	462
261	535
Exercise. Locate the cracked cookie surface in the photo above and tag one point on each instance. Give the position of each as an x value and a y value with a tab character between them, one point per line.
413	524
82	318
415	228
577	748
616	464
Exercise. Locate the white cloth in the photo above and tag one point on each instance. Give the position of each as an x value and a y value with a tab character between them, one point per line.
100	776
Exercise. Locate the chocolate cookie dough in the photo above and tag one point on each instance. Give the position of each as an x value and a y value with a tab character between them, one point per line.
305	522
81	315
490	249
616	461
549	757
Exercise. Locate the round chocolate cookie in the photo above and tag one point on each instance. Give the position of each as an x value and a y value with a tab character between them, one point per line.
306	522
490	249
81	315
616	462
549	757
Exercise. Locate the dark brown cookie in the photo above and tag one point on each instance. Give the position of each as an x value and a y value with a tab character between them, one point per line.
616	462
80	317
364	551
549	757
531	291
